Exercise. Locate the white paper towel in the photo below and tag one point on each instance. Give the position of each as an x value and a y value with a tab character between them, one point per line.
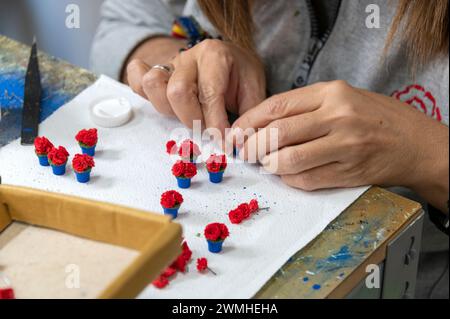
133	169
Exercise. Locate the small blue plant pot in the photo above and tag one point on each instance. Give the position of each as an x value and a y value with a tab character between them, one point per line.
216	178
184	182
43	160
173	212
59	170
88	150
215	246
83	177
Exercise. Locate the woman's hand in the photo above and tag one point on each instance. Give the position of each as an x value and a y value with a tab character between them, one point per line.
333	135
209	79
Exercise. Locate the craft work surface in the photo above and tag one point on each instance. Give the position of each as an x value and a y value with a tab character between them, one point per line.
133	169
360	231
43	263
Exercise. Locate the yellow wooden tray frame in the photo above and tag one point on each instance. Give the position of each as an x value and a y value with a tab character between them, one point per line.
156	237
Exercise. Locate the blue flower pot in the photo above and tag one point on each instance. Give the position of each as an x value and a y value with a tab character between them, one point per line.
88	150
184	182
173	212
59	170
83	177
215	246
216	178
43	160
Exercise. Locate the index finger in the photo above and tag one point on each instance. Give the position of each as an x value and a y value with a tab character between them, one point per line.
299	101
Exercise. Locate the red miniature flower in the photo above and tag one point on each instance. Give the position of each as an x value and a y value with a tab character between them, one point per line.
216	163
224	233
184	170
202	264
169	272
254	206
245	209
190	170
161	282
87	138
178	265
171	147
82	163
42	145
7	294
181	262
187	252
216	232
236	216
171	199
58	156
189	150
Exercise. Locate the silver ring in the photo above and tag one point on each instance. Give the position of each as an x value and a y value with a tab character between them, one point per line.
163	67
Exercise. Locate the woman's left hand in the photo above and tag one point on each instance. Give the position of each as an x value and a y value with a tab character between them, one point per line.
334	135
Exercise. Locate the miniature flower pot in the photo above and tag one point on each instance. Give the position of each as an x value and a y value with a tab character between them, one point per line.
83	177
173	212
88	150
59	170
216	178
215	246
184	182
43	159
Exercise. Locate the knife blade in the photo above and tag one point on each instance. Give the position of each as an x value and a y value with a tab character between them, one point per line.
32	99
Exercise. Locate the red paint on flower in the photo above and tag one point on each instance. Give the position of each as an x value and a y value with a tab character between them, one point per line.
42	145
161	282
202	264
216	163
184	170
82	163
88	138
171	147
189	150
58	156
236	216
179	264
216	232
171	199
254	206
7	294
243	211
169	272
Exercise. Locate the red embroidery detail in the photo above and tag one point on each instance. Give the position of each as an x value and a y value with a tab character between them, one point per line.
423	100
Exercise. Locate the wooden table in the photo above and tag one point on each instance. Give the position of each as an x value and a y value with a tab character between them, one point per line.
329	267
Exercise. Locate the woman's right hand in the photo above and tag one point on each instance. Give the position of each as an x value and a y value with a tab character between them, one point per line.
207	81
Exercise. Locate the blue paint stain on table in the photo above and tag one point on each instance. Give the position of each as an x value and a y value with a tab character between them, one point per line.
11	101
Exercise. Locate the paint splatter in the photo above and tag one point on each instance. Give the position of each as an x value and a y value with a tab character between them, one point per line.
342	254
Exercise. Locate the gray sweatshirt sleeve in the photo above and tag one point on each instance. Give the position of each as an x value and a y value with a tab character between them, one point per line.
125	24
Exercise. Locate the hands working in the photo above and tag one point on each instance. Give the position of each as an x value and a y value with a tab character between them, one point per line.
334	135
329	134
207	81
